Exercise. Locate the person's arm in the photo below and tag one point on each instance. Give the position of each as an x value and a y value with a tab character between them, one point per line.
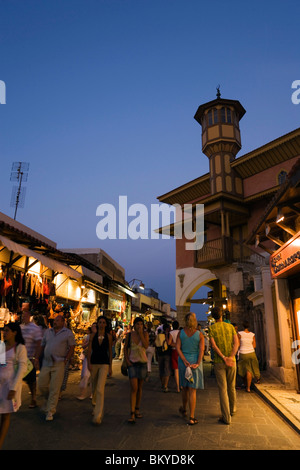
69	354
201	352
89	353
229	361
21	362
126	348
180	353
254	342
110	354
38	354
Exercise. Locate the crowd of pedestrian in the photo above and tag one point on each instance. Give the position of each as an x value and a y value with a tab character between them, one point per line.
32	346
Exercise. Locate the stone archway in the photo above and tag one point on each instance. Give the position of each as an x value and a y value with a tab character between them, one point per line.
188	282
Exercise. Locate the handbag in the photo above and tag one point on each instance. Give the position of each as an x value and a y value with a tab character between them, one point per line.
29	366
124	365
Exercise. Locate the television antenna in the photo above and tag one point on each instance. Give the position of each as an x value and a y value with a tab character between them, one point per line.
19	173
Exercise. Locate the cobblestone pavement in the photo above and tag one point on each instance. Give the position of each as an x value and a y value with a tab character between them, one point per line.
256	426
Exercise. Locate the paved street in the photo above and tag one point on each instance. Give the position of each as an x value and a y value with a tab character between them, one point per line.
255	426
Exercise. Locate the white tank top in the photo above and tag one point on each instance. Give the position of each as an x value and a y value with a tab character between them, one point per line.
246	340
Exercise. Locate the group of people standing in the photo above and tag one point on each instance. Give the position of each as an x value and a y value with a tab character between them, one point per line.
180	350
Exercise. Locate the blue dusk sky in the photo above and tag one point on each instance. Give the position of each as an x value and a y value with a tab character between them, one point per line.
101	97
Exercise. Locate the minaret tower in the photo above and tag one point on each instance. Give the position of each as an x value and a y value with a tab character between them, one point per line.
221	141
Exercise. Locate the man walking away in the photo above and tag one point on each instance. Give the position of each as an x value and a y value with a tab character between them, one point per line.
225	343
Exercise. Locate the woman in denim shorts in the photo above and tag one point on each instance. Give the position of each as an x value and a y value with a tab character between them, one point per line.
135	353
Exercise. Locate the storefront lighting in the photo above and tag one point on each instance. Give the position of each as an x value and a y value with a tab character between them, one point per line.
133	283
280	216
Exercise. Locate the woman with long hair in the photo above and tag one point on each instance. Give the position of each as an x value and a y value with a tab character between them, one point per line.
190	347
248	366
137	341
100	364
11	375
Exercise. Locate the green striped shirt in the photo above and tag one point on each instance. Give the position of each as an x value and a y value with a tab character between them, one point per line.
223	334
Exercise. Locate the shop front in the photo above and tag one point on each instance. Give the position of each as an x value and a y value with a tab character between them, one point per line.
26	276
285	265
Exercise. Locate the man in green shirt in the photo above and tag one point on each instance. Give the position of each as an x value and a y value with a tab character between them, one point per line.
225	343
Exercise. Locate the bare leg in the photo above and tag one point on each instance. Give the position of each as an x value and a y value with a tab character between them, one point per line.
248	381
133	398
192	401
176	376
185	397
5	422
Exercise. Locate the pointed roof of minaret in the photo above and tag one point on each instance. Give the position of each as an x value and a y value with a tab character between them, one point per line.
219	101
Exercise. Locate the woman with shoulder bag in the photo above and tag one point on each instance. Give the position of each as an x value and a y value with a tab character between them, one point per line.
11	375
135	353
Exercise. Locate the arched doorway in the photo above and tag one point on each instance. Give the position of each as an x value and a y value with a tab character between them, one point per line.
188	282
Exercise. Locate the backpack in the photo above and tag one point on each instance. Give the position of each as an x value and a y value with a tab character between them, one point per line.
160	342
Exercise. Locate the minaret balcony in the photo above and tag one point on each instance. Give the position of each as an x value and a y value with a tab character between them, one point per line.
225	251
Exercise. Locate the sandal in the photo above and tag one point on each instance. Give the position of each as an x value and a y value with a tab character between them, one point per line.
182	411
192	421
138	414
132	419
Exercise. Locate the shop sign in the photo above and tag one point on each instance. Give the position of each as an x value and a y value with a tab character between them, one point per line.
286	261
114	304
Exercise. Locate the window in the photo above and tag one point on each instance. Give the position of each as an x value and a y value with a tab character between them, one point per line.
215	111
281	178
212	117
226	115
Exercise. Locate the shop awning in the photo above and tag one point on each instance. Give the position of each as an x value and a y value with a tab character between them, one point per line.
88	273
48	262
156	313
124	289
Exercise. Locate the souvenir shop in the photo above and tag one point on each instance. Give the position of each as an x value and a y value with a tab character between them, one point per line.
118	309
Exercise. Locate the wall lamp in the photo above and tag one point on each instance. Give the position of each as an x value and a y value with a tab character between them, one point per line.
280	216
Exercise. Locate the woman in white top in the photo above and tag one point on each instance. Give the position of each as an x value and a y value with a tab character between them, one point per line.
11	375
248	366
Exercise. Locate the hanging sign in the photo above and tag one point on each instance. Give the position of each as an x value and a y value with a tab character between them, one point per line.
286	260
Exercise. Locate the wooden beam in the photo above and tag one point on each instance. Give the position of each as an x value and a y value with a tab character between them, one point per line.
286	228
275	240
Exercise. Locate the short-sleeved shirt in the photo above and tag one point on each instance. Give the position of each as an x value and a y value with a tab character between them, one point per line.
223	334
32	334
57	345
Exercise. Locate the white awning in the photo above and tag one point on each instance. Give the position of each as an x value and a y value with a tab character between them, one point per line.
89	273
48	262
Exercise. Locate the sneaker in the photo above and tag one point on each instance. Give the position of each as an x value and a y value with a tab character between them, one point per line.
49	416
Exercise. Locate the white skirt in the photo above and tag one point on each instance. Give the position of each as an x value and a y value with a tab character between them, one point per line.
7	373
